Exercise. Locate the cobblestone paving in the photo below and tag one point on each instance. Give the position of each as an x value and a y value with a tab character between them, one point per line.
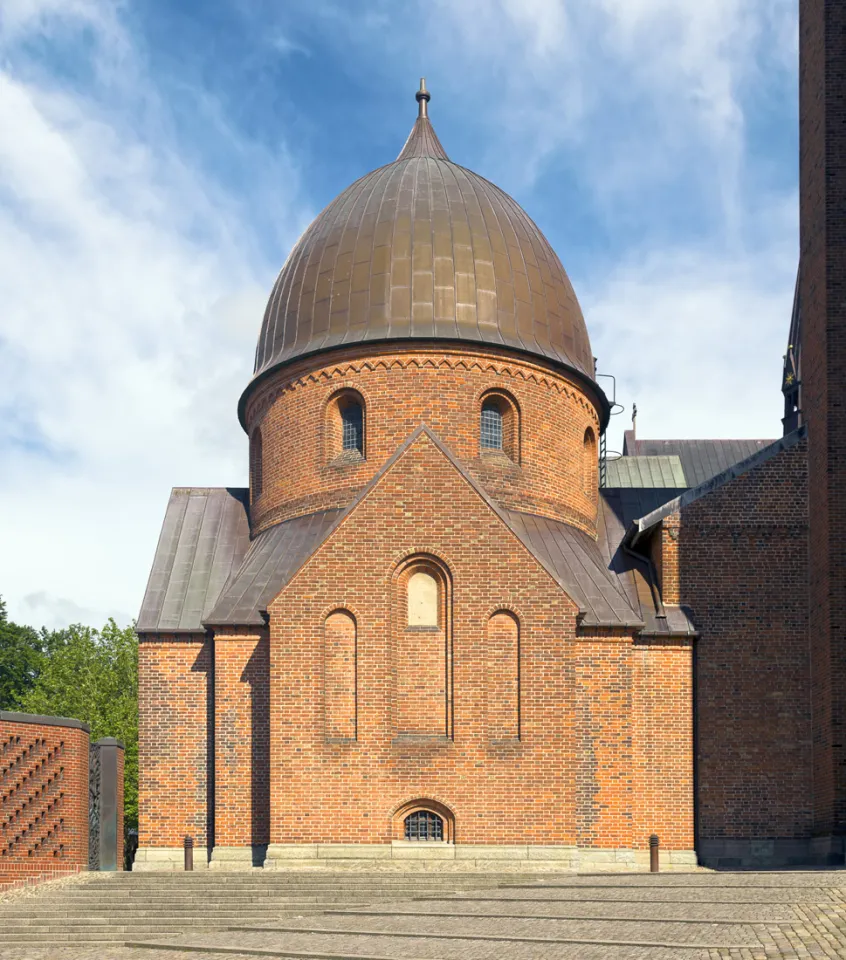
697	916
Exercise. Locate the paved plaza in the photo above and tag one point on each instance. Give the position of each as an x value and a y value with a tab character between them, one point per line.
697	916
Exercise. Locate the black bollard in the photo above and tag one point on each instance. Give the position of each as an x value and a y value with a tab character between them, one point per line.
189	853
653	853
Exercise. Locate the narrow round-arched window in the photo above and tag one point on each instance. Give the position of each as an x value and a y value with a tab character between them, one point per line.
256	463
499	426
345	427
424	825
352	422
589	464
491	428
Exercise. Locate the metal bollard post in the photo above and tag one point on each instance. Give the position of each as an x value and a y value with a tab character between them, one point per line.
653	853
189	853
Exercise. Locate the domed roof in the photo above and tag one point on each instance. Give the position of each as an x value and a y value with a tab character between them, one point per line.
423	249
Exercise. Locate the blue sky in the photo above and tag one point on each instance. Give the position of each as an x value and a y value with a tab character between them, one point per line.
159	159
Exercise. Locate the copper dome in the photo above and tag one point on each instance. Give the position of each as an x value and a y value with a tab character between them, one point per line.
425	249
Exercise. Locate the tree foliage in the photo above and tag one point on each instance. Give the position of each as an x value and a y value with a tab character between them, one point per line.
80	672
21	657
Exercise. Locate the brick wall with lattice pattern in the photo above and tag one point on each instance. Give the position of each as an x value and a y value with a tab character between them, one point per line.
43	797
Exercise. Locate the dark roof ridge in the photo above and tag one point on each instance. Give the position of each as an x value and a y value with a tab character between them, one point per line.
645	523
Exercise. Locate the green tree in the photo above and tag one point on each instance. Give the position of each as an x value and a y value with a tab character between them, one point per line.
21	659
92	675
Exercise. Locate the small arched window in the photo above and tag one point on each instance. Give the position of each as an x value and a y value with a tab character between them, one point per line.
589	464
256	463
499	426
345	426
491	430
424	825
352	421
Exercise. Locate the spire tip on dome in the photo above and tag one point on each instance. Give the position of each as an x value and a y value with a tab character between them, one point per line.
422	97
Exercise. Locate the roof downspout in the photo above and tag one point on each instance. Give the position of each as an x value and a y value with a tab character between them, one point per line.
653	576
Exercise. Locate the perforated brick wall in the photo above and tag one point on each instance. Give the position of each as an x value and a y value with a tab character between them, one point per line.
43	797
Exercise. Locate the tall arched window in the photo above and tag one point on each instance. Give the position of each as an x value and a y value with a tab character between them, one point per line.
256	464
499	425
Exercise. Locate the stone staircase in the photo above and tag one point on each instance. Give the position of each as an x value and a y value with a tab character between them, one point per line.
115	908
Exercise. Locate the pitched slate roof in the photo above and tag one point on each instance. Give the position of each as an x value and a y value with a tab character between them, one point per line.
272	559
700	459
662	472
204	536
575	561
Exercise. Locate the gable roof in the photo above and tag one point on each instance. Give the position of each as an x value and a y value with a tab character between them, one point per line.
272	559
204	536
646	522
206	572
700	459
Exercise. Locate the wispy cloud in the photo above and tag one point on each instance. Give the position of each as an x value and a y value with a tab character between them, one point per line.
150	189
132	295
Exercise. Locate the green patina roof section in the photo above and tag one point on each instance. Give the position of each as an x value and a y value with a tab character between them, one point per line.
664	471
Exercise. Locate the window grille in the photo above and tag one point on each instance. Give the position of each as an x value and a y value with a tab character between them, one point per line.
352	418
491	433
424	825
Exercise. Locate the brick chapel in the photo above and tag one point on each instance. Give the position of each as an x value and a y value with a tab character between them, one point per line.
440	628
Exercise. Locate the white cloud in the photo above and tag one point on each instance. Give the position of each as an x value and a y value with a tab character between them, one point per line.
696	334
133	283
132	298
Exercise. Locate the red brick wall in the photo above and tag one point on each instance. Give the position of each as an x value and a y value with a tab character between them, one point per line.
241	738
175	679
402	389
662	684
502	701
822	88
743	571
43	800
339	665
569	779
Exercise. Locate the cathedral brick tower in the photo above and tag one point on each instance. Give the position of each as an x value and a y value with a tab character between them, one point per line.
822	345
407	640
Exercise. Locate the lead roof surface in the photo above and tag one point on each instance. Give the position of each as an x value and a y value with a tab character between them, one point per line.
700	459
423	248
661	472
204	535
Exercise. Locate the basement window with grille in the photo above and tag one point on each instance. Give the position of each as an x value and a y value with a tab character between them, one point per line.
424	825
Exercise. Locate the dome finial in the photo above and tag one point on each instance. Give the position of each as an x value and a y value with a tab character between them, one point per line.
423	97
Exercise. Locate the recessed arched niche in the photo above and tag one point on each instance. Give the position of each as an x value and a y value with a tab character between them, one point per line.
422	649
